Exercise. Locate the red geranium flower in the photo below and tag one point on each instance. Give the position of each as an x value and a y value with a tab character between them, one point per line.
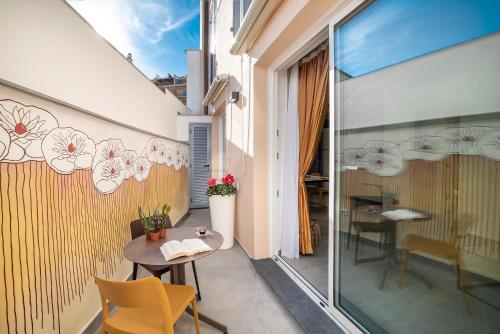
212	181
228	180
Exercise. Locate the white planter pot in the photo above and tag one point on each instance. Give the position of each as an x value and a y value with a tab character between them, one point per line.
222	215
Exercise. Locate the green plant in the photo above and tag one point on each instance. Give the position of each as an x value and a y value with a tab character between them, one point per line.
149	221
165	210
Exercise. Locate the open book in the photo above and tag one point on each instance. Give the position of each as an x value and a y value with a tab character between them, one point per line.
402	214
187	247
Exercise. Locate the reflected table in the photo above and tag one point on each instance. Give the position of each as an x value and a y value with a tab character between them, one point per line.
146	252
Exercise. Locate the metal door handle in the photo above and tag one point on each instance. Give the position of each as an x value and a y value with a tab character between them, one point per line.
206	166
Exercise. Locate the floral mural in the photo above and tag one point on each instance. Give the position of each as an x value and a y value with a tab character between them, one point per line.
31	133
66	149
385	158
66	195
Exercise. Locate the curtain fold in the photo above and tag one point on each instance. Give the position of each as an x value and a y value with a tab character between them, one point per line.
313	90
289	207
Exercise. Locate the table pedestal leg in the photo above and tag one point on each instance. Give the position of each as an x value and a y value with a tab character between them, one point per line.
178	276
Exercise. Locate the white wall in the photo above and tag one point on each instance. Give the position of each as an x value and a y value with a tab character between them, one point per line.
183	125
49	49
461	80
194	81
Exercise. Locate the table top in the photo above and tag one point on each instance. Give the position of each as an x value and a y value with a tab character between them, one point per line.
148	252
311	178
374	214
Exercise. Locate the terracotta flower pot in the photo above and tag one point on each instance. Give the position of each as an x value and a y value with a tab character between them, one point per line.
154	236
163	233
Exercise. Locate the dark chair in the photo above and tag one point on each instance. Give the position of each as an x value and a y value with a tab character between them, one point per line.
136	231
367	219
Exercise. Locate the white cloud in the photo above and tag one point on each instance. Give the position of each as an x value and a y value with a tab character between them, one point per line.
171	24
132	26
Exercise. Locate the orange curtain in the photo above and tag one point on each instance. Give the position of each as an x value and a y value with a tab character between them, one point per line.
313	89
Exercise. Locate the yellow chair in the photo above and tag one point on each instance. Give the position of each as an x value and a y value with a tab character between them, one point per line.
144	306
448	250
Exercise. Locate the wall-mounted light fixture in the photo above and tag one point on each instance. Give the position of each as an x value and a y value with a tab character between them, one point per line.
233	97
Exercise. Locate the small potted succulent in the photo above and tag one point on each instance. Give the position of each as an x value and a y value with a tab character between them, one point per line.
221	196
151	224
165	210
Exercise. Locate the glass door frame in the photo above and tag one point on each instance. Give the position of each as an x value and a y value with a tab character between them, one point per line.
275	91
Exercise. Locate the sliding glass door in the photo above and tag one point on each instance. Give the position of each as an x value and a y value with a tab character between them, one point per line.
416	212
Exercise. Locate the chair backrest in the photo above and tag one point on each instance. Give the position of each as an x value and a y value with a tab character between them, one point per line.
143	293
136	229
461	227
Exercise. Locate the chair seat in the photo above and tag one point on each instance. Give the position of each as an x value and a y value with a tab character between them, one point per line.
149	320
434	247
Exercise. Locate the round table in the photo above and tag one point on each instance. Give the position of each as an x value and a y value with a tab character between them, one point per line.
147	253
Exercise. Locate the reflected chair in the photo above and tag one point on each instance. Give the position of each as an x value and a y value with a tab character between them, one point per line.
367	219
448	250
144	306
136	231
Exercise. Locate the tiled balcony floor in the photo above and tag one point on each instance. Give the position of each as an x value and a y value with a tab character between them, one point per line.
232	293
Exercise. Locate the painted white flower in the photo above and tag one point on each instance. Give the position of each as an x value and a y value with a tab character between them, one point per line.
464	140
109	174
4	143
179	159
169	157
26	126
186	159
354	158
141	169
382	147
430	148
106	150
383	164
161	157
489	145
154	148
66	149
129	158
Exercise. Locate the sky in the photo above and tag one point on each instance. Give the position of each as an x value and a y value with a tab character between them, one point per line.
155	32
388	32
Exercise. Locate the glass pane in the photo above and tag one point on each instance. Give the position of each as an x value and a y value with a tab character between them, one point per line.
417	144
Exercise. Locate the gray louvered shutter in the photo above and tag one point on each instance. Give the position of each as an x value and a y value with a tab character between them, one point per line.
200	164
236	16
246	5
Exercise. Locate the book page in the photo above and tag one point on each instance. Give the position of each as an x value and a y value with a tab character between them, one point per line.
402	214
196	246
174	249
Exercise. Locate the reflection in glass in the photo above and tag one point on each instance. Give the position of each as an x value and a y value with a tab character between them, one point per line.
417	134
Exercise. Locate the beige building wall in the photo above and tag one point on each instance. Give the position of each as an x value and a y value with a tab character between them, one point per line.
247	121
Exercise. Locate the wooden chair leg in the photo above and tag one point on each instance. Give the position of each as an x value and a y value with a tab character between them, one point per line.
134	271
198	293
195	315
